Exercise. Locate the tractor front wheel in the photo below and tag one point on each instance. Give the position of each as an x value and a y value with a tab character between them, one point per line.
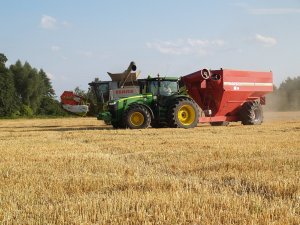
251	113
184	113
137	117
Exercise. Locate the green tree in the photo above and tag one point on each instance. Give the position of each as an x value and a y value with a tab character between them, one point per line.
290	88
31	85
286	97
90	98
8	97
80	92
51	107
35	91
47	85
3	59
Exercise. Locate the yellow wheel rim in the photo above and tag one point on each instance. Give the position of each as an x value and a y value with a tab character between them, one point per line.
137	119
186	115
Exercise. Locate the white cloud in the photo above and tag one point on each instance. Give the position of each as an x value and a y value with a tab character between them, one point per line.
48	22
186	46
55	48
266	41
66	24
274	11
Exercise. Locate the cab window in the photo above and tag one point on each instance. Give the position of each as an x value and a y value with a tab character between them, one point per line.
168	88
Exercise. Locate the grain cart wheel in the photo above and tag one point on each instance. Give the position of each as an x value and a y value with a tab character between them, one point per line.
137	117
184	113
221	123
251	113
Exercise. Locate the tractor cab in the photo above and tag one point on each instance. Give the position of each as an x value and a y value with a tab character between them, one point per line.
158	86
163	89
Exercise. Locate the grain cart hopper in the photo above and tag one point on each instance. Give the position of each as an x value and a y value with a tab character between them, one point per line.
229	95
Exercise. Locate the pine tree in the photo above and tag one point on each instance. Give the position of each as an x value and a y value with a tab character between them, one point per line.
8	97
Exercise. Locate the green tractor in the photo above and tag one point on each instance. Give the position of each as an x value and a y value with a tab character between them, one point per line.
162	102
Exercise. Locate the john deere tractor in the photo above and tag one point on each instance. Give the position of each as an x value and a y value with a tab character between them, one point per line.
161	103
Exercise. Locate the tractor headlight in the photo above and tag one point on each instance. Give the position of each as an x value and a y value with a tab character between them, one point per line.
112	103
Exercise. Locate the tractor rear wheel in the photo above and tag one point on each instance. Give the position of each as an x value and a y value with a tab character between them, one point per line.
137	117
184	113
221	123
251	113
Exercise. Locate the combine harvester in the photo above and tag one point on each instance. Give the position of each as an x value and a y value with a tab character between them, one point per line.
223	95
122	85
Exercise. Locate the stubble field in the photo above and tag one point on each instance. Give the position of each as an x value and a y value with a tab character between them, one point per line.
79	171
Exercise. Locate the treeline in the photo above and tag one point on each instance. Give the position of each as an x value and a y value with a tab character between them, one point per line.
286	97
26	91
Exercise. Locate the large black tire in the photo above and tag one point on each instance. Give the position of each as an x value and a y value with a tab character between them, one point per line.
221	123
184	113
137	117
251	113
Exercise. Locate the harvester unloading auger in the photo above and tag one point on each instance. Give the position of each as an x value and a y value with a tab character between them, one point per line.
223	95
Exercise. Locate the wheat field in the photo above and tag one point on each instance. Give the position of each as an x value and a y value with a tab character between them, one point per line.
79	171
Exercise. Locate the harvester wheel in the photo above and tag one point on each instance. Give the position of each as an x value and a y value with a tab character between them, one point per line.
221	123
137	117
184	113
251	113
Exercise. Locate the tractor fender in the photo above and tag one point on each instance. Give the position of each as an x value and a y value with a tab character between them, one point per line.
146	106
178	97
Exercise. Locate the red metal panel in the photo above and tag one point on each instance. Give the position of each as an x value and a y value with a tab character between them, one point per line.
226	90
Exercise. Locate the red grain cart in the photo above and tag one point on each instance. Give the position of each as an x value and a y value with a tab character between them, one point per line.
229	95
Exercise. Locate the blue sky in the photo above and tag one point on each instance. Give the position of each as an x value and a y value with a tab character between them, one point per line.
76	41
